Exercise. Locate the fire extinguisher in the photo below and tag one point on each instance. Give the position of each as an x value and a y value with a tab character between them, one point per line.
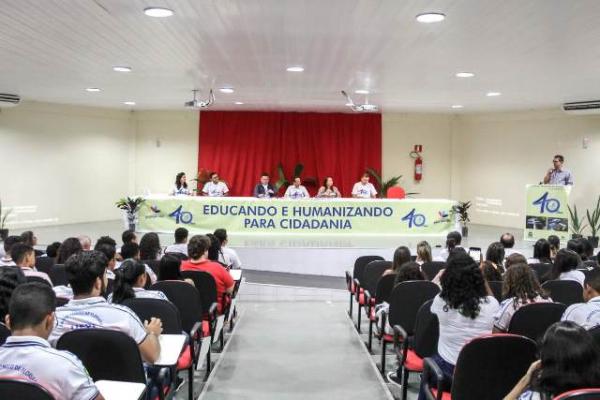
416	154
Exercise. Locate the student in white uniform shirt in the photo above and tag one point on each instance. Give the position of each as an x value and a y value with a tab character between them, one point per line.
565	267
24	257
132	250
364	189
228	256
88	309
130	280
9	242
296	190
181	186
214	187
587	314
465	310
453	241
28	356
180	246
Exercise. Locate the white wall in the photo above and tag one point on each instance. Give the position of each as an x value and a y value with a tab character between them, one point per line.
496	155
63	164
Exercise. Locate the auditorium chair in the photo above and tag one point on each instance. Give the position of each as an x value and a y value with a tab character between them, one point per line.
58	275
178	255
371	276
4	333
532	320
191	309
385	284
595	332
37	279
44	264
566	292
496	287
424	343
580	394
432	268
488	367
12	388
153	264
108	355
169	316
396	192
405	300
541	270
360	263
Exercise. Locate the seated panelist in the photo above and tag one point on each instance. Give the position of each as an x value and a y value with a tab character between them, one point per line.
328	191
296	190
214	187
363	189
181	186
264	189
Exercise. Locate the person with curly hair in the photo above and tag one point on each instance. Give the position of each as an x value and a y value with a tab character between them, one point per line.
569	360
520	287
465	309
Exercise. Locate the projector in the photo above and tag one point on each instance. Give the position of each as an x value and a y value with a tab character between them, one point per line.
359	107
195	103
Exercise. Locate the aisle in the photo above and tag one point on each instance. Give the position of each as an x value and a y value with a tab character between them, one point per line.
295	350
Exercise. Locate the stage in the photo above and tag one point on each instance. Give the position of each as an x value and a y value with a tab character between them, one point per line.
313	255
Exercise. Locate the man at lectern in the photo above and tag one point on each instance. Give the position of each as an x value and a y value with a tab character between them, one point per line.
557	175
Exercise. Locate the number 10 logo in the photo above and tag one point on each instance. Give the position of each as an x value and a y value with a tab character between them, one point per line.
547	204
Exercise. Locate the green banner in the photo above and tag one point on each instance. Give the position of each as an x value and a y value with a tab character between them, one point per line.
546	212
244	215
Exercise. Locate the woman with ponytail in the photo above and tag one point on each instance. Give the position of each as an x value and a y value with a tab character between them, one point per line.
130	279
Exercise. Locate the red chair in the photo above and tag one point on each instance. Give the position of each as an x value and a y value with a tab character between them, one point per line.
580	394
396	192
354	282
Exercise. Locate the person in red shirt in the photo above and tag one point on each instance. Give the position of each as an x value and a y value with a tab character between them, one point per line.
198	247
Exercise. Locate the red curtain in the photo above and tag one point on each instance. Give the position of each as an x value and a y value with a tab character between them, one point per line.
242	145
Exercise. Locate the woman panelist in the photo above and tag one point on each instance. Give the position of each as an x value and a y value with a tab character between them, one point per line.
328	191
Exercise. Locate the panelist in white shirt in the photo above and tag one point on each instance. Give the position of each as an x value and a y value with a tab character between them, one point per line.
364	189
181	186
214	187
296	190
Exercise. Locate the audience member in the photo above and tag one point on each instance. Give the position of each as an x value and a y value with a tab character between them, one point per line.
565	267
520	287
27	355
514	259
401	256
554	245
569	359
589	261
495	255
409	271
198	252
453	240
169	269
86	242
214	250
508	241
150	248
88	309
52	250
9	242
587	314
110	253
541	252
423	253
132	250
180	246
465	310
67	248
10	278
130	280
24	256
228	255
29	238
106	240
490	272
128	236
577	246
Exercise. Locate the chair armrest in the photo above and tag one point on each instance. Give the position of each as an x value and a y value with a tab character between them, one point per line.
194	332
383	320
430	368
356	289
367	298
400	342
212	310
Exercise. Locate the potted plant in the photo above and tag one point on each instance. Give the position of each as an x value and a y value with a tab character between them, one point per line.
201	178
462	211
3	217
385	185
594	222
577	224
131	206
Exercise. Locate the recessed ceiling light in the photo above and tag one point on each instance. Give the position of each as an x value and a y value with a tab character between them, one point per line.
361	91
295	69
239	103
493	94
158	12
465	74
428	18
121	68
129	103
226	90
457	106
92	89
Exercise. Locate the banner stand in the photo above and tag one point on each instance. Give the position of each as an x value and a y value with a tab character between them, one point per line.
546	212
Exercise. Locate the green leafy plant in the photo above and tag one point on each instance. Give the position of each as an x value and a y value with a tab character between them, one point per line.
462	210
283	181
131	205
577	224
385	185
594	219
3	216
